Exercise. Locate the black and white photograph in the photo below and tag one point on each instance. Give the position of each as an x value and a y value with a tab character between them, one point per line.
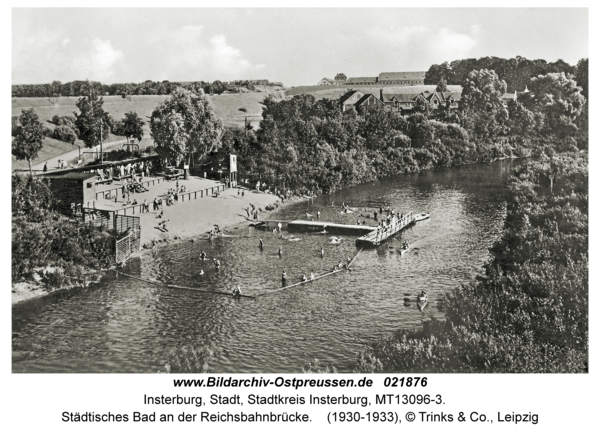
299	190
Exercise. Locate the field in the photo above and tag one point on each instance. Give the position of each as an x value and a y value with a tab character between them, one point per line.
226	108
334	92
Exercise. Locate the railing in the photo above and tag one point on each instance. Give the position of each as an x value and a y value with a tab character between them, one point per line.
181	196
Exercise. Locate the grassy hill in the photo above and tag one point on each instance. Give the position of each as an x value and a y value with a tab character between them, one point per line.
226	107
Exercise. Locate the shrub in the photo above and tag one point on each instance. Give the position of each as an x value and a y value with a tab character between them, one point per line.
64	133
244	109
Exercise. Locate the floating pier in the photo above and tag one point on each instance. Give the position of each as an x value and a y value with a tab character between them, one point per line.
376	237
319	226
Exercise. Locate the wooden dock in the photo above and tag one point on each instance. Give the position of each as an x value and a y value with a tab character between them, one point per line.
376	237
319	226
371	236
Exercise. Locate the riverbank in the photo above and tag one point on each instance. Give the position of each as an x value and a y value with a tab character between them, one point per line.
186	221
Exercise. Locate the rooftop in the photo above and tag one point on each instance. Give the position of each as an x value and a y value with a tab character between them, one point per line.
71	175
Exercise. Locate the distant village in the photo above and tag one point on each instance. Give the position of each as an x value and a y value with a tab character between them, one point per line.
403	103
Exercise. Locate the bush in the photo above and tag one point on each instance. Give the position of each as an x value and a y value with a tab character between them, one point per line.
64	133
244	109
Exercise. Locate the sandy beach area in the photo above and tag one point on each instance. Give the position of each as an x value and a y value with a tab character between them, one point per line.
186	220
194	218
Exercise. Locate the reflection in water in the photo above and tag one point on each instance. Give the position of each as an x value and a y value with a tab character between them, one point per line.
126	325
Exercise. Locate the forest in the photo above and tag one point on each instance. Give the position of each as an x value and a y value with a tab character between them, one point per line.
57	89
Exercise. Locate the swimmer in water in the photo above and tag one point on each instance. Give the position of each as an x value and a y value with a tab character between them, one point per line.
210	235
280	251
201	272
283	276
237	291
202	255
260	244
312	276
322	252
217	263
303	277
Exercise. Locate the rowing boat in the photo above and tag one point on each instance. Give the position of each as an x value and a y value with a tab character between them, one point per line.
422	300
422	216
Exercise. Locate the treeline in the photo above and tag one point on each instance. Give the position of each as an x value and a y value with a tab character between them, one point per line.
50	246
148	87
313	146
529	314
515	72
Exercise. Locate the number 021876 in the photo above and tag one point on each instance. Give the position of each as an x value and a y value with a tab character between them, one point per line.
405	381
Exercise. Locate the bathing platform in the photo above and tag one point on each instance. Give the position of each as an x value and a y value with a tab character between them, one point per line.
370	236
316	226
377	237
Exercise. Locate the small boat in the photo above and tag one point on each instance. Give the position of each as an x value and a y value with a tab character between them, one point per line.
404	249
421	216
422	300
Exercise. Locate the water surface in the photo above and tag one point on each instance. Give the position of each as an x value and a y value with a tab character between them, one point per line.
126	325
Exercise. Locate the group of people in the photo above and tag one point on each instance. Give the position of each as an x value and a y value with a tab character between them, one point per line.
253	211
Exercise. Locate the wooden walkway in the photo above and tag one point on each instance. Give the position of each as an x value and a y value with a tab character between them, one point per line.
323	225
376	237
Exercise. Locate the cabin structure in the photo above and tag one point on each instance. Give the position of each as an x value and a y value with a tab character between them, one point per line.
71	190
349	99
369	102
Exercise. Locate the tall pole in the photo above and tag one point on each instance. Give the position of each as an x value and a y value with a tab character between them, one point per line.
101	154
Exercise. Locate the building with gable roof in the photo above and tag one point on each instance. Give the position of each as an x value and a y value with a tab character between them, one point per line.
401	78
326	82
384	79
340	78
350	98
405	102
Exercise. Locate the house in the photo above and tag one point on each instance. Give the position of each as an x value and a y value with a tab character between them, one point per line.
369	102
71	189
364	101
361	81
401	78
340	78
349	99
510	96
406	102
326	82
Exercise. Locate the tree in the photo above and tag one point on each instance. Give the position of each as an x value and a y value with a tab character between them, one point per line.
559	99
64	133
185	124
28	137
481	101
131	126
441	86
92	123
581	76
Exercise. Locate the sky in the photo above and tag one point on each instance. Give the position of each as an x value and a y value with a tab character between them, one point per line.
297	46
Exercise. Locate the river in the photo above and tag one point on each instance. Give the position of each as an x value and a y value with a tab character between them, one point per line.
126	325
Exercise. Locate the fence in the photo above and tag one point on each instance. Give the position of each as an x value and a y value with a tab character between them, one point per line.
183	196
126	246
131	243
